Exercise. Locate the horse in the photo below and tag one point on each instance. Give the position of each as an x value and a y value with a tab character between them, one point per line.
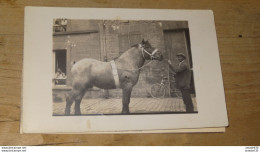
122	73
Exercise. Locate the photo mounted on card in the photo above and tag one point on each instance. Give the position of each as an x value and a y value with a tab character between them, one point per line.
89	70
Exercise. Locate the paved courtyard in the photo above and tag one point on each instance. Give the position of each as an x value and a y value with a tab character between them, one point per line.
137	106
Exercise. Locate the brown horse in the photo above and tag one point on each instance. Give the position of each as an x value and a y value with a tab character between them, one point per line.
90	72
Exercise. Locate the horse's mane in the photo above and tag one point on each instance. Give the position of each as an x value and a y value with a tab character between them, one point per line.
145	43
135	45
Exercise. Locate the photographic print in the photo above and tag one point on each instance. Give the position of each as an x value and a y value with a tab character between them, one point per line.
93	70
122	67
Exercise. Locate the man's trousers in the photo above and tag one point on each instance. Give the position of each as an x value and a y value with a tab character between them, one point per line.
187	100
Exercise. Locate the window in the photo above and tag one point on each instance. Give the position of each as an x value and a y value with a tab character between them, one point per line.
60	25
60	67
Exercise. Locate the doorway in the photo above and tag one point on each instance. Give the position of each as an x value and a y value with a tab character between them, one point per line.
178	41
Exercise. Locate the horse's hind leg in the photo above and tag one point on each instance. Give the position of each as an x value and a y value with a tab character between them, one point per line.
74	95
69	101
77	102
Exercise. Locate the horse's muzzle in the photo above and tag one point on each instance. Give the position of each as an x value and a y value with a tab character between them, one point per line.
158	56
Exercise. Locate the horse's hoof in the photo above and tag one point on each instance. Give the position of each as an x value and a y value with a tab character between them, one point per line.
67	113
125	112
77	113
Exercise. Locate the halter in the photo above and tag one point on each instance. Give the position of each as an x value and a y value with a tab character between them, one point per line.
150	54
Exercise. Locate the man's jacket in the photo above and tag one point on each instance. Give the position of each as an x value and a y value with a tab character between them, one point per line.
183	75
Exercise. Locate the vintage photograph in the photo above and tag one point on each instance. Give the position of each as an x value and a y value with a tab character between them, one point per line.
122	67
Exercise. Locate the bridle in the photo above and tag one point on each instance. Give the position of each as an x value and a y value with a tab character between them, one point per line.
150	54
151	57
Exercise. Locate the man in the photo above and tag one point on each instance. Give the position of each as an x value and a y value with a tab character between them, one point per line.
183	78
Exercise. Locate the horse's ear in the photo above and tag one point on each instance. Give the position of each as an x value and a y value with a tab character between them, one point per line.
147	43
143	41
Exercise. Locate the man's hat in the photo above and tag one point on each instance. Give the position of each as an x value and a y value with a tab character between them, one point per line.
181	54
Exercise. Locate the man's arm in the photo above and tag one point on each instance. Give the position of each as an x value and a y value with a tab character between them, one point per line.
170	65
181	67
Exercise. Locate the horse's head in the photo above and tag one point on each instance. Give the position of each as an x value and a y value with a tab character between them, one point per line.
150	53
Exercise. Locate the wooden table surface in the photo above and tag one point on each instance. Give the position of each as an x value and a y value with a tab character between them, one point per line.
238	30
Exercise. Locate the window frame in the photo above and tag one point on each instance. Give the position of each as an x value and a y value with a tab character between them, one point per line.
54	71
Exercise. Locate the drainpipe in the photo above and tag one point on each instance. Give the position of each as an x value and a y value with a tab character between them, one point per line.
106	92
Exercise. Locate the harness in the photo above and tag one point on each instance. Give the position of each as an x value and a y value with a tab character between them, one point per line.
115	74
145	51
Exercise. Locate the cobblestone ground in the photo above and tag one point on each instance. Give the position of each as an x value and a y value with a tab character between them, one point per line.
114	106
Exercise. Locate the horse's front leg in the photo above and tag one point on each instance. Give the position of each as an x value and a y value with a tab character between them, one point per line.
127	89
